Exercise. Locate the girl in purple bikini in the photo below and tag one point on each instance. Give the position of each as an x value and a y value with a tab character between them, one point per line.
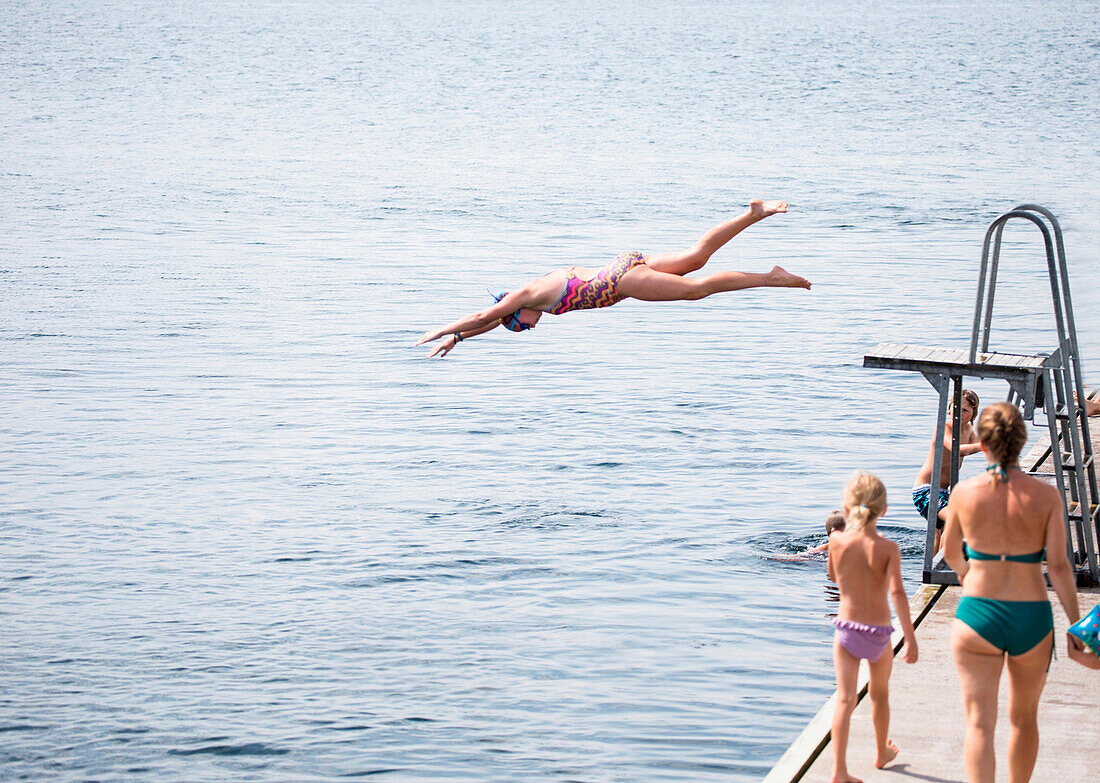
865	566
657	278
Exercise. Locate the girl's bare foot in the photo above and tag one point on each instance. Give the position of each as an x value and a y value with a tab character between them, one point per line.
890	754
781	278
762	209
846	778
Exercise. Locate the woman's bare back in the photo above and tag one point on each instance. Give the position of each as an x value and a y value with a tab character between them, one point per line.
1009	518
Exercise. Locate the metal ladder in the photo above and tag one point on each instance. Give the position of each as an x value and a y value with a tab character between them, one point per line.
1070	452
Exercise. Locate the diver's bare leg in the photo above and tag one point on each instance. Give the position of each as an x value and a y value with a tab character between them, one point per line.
649	285
684	261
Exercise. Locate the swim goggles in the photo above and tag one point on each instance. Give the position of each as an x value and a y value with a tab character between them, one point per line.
511	321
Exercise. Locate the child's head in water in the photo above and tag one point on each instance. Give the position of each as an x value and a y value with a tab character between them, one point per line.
864	499
834	522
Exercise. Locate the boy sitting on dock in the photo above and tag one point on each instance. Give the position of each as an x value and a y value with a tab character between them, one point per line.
968	444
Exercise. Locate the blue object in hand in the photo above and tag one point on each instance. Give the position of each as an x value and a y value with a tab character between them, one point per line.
1087	629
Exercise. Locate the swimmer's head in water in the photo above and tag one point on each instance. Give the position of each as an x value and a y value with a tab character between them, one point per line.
834	522
513	321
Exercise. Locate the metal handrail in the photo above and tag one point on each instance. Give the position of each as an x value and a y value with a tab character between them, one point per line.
1063	384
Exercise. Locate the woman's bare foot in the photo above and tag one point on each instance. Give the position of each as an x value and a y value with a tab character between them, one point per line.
781	278
761	209
846	778
890	754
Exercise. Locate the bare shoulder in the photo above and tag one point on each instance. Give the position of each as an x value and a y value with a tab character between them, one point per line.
1048	493
966	488
888	546
544	291
973	482
840	540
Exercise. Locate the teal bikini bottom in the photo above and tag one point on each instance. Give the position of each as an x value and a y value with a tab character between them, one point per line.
1012	626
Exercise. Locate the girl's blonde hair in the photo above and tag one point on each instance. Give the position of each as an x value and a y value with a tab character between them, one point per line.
865	497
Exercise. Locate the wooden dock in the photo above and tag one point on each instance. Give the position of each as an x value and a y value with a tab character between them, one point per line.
927	714
926	708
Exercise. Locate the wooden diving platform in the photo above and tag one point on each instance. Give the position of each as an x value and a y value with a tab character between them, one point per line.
895	356
1052	381
1022	371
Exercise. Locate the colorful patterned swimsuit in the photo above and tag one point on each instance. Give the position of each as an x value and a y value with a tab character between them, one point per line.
601	291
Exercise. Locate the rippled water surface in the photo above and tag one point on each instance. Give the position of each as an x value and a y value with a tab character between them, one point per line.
249	532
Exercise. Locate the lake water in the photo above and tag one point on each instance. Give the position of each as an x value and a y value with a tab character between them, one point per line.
249	532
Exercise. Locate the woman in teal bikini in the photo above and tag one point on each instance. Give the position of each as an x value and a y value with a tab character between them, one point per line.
657	278
1010	523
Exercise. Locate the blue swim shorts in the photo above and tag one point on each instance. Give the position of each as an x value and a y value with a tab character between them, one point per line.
920	500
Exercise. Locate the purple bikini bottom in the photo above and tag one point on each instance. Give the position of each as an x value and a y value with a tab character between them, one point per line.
863	641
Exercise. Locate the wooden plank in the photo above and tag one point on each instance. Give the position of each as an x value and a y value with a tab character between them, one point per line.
885	350
947	356
1018	359
905	351
954	362
919	357
921	354
889	356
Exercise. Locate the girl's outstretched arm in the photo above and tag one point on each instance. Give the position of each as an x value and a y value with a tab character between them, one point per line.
509	304
447	344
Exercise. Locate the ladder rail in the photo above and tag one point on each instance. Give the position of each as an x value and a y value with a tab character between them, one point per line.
1067	300
1062	384
1064	312
1067	327
977	334
983	315
1056	464
1066	381
1076	424
987	324
1079	489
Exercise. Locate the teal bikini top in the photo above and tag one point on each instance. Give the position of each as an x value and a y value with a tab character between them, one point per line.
1034	557
974	554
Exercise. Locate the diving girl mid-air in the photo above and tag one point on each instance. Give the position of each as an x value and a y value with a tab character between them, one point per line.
657	278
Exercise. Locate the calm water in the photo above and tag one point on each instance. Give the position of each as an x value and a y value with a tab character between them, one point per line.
249	533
